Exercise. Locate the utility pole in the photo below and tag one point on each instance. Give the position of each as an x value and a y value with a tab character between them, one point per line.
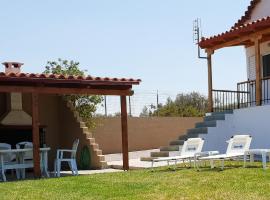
157	104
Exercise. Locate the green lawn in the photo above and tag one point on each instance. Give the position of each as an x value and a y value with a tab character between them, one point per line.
232	183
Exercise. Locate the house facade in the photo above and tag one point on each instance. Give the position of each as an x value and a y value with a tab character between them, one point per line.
246	109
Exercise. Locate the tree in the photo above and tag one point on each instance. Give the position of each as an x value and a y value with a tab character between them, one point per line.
145	112
185	105
86	105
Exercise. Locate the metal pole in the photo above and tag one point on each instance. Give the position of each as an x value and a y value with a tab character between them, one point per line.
129	103
157	103
105	106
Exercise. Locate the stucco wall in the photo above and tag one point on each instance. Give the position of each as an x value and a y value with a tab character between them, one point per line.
70	130
261	10
2	104
250	57
144	133
253	121
61	125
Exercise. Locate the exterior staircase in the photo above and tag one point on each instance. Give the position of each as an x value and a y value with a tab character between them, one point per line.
174	148
98	160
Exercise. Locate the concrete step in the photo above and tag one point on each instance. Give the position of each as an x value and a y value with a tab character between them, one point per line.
214	117
197	130
98	152
183	137
82	124
85	129
101	157
95	146
194	135
91	140
170	148
177	142
222	112
160	154
103	165
206	124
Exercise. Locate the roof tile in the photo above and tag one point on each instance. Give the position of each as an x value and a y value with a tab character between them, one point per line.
71	78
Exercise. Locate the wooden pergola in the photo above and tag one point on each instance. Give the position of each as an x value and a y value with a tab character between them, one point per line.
36	84
249	34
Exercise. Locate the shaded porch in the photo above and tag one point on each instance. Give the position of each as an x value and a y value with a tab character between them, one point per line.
42	94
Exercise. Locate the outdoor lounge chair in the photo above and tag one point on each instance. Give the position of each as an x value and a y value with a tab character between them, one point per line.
71	160
237	145
190	148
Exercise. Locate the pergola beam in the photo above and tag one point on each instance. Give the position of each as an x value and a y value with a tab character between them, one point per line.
258	71
210	80
58	90
240	39
124	128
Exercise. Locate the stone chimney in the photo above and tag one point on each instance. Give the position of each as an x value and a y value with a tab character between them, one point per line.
15	114
12	67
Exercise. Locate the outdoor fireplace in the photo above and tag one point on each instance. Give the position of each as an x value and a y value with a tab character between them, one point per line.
16	124
15	134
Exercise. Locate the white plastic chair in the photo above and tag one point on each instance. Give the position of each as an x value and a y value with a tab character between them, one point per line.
237	145
27	156
190	148
26	145
8	161
70	160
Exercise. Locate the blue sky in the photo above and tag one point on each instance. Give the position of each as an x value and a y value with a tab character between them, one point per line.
147	39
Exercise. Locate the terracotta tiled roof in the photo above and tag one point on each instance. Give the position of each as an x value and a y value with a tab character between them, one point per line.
242	30
241	27
247	15
25	77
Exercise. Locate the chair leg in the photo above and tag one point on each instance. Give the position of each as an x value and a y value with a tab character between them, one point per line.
23	173
72	167
3	175
264	160
222	164
55	170
212	164
18	175
75	167
58	165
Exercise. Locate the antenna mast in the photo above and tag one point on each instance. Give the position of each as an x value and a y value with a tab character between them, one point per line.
197	32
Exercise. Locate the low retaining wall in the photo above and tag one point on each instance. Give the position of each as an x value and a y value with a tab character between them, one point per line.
144	133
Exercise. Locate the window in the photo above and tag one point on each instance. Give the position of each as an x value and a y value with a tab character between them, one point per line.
266	65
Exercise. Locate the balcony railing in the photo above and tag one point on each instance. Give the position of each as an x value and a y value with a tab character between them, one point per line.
244	96
229	100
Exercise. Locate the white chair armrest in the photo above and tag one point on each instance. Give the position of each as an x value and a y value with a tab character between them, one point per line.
66	150
60	152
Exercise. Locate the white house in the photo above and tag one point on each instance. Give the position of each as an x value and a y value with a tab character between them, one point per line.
247	107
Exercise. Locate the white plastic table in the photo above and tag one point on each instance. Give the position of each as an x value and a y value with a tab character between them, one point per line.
263	152
20	164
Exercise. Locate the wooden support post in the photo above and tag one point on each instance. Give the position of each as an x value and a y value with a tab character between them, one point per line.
35	135
258	71
210	84
124	132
